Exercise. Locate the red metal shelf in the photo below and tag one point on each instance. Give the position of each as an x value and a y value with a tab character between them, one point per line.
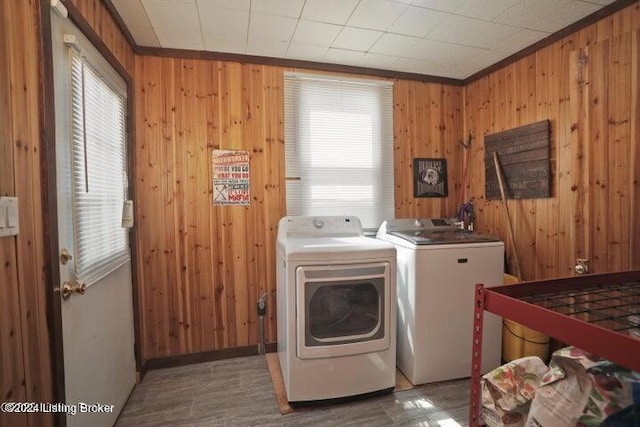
598	313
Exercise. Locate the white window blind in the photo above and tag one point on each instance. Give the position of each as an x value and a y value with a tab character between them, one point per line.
98	111
339	147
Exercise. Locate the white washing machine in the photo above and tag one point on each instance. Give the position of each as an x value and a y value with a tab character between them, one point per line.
438	267
336	308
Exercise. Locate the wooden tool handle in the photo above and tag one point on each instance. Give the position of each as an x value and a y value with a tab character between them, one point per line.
516	264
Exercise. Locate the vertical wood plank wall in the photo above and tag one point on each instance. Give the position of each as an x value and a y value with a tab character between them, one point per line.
587	84
427	123
203	267
99	19
189	306
25	369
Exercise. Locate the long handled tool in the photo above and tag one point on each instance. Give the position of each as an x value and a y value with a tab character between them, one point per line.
516	264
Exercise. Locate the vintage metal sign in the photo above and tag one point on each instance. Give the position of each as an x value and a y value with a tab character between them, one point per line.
230	177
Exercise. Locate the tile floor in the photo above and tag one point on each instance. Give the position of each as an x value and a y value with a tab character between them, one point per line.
238	392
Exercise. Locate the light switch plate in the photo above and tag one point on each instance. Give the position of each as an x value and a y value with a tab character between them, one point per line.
9	217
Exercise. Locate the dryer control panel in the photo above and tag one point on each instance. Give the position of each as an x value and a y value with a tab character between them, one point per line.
321	226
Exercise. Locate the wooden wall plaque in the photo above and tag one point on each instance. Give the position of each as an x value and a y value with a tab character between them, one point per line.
524	157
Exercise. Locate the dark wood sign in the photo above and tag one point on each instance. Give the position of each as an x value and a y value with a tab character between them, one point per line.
524	156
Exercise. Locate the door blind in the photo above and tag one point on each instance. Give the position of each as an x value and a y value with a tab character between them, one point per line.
98	114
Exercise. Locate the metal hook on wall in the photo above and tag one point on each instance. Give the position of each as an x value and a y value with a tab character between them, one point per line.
466	144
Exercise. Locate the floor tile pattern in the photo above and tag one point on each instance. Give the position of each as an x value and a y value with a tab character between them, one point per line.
238	392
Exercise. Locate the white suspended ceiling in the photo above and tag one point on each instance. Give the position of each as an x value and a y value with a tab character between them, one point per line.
447	38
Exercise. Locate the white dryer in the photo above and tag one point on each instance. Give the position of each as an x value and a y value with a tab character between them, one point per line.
438	267
336	309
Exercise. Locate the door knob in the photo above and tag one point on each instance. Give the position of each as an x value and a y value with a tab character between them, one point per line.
69	289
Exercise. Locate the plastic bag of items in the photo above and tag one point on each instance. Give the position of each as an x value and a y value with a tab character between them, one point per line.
508	390
584	390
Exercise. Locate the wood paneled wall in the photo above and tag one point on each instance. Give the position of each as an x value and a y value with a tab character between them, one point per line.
427	123
25	369
202	268
99	19
585	84
588	86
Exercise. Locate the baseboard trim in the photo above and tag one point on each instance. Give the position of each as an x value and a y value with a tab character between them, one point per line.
205	356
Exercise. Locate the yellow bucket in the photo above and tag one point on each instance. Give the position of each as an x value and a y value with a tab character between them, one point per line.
520	341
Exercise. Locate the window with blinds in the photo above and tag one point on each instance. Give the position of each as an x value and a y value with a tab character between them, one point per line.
98	112
339	147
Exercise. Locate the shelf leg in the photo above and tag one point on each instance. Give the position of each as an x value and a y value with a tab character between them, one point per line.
476	357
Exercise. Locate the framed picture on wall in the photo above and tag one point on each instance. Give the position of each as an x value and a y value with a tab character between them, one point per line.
430	177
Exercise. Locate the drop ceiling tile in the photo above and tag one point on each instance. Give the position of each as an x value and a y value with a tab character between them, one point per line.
463	44
225	43
471	32
444	5
421	67
266	47
223	4
520	40
376	14
443	52
356	39
180	40
487	58
224	21
417	21
374	60
394	45
315	33
290	8
342	56
271	27
172	16
485	9
461	71
132	12
144	36
546	15
305	52
330	11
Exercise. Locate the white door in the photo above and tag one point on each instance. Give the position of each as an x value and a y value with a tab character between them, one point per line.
98	331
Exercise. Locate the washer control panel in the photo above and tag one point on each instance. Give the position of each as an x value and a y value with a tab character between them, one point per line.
426	224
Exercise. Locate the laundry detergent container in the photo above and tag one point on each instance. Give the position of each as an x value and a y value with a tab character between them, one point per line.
519	341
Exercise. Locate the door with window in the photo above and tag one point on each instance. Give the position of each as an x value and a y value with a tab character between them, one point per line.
95	266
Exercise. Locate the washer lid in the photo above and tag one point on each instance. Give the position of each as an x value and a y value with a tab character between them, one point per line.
424	237
403	225
343	249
